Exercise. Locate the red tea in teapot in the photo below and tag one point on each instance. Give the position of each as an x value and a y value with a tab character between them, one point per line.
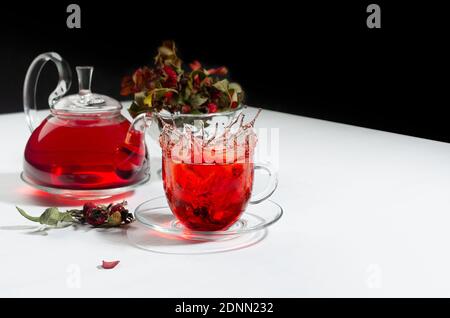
89	153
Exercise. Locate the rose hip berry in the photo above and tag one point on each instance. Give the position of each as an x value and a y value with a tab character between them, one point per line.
212	108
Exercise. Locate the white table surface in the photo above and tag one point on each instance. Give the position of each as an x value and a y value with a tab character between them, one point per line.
367	214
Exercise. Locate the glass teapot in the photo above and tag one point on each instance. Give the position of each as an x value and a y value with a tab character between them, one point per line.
85	143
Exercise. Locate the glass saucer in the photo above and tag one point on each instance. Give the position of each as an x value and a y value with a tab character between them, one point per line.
144	238
156	215
84	194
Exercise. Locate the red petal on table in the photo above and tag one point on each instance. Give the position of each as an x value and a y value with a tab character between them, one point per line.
109	265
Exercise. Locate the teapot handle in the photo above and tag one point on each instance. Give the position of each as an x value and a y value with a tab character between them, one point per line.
31	79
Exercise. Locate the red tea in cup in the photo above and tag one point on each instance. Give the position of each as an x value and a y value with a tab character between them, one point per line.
207	197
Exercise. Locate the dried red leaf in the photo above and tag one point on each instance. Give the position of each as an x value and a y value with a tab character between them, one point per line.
196	80
218	71
171	80
148	76
195	65
109	265
138	78
168	97
127	86
207	81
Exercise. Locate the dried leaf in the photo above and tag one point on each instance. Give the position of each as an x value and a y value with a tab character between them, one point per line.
222	85
26	215
236	87
51	216
197	100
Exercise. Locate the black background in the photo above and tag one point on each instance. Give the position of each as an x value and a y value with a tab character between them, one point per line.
315	59
281	306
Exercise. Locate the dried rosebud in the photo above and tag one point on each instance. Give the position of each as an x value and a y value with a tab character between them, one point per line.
118	207
88	207
216	94
115	219
118	214
96	216
186	109
212	108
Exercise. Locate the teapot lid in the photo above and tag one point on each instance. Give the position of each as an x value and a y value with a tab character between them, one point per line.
85	102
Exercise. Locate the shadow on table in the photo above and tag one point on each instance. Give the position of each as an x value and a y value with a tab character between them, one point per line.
14	191
138	236
146	239
31	229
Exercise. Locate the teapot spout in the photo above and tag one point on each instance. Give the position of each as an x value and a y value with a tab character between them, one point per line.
140	123
131	158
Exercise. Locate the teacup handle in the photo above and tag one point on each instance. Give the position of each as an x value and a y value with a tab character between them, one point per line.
271	185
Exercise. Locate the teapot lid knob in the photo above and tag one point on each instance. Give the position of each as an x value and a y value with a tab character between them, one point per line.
84	79
86	102
84	86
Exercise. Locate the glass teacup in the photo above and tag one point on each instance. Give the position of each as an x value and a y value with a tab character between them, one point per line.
208	178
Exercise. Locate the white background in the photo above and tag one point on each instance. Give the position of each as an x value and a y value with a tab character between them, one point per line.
367	213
